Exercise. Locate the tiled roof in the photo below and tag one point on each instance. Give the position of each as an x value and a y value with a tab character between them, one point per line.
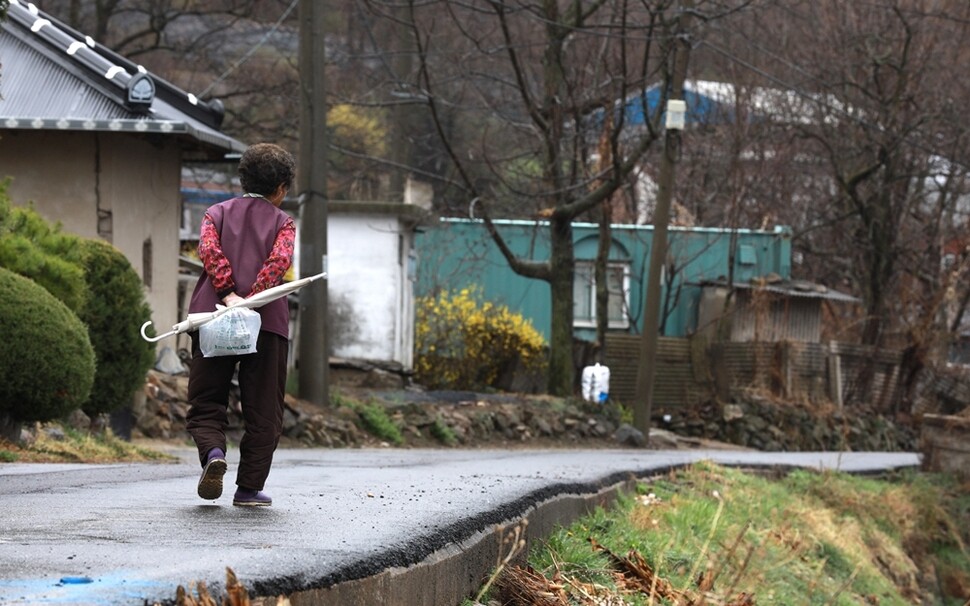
53	77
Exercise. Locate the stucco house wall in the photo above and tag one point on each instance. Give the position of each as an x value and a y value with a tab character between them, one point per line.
120	187
371	269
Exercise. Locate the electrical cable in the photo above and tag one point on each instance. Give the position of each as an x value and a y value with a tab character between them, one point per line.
814	98
252	50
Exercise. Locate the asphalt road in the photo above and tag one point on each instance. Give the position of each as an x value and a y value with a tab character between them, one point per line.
131	533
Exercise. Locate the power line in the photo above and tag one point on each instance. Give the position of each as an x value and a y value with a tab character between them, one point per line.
815	98
252	50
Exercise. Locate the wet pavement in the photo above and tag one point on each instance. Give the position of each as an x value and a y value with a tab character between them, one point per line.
131	533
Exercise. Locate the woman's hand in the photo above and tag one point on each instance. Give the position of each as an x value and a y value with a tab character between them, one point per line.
232	299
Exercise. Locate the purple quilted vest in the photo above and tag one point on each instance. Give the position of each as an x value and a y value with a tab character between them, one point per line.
247	230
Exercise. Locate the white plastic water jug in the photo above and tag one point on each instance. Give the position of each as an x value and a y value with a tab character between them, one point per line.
596	383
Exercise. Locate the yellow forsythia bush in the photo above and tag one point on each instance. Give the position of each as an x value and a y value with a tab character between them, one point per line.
463	342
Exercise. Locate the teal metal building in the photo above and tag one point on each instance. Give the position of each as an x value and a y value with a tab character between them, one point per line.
459	253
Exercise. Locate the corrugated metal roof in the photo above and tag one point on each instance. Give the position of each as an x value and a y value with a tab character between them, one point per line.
33	86
791	288
56	78
783	230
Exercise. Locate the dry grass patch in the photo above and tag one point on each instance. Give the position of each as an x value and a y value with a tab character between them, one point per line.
708	535
56	444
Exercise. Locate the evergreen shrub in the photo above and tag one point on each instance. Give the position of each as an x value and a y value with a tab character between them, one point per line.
46	362
463	342
114	312
33	248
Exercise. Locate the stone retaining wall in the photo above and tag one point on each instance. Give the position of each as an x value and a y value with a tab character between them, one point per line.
770	425
503	420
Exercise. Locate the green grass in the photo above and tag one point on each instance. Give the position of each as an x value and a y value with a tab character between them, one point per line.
444	434
823	539
339	400
375	420
373	417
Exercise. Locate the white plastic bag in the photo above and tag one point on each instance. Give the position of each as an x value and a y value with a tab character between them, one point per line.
233	333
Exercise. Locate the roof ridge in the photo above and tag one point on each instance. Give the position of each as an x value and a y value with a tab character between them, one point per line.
105	65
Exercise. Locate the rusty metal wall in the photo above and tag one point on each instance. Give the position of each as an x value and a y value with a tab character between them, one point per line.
776	319
856	362
690	370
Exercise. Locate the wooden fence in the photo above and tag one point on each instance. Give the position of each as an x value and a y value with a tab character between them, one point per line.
690	370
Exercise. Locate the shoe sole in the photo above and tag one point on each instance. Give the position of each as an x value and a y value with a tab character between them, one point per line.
210	484
251	504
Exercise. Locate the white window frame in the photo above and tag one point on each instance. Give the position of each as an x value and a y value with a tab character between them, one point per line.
589	267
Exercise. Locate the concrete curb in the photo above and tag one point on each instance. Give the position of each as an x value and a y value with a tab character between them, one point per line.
454	573
458	571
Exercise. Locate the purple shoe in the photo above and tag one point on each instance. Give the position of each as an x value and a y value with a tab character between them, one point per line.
210	484
251	498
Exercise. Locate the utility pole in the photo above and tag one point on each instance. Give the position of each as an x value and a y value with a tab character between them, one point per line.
314	362
646	368
402	109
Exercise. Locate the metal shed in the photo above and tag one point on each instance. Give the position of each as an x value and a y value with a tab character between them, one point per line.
765	310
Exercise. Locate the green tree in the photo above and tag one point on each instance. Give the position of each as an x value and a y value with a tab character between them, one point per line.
114	311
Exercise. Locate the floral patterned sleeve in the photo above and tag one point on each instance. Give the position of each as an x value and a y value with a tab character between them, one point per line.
279	259
215	262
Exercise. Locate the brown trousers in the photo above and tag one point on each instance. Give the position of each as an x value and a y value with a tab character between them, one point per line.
262	383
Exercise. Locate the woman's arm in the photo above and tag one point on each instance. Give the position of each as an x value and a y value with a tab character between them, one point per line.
214	260
279	260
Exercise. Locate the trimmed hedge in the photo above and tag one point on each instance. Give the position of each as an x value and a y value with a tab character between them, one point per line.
114	311
33	248
46	362
96	282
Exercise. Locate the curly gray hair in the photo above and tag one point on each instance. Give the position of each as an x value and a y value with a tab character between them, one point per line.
264	167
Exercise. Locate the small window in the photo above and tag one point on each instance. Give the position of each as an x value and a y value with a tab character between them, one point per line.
747	255
584	294
146	262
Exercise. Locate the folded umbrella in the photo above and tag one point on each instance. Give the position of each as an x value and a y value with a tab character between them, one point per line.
194	321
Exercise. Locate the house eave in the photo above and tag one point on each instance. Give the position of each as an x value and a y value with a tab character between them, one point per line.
221	143
408	213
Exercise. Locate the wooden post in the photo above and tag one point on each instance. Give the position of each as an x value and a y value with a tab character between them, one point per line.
835	374
646	368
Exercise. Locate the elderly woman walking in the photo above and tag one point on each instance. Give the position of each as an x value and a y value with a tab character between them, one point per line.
246	246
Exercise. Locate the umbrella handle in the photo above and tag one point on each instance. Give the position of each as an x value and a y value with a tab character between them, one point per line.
154	339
